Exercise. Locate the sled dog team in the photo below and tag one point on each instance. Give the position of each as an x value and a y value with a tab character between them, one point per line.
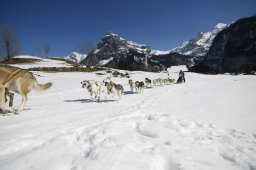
22	82
96	89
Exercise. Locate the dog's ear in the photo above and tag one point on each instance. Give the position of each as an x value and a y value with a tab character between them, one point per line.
84	81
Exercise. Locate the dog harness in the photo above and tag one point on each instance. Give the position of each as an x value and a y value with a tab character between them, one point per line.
11	74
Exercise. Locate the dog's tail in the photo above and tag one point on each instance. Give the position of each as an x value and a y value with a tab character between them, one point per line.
42	87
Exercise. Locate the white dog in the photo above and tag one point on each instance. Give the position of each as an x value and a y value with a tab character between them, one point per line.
96	89
132	85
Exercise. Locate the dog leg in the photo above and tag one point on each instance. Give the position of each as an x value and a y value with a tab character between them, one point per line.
99	96
11	97
119	95
2	100
24	100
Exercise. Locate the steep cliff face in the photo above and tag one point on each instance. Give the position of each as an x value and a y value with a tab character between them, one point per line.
234	48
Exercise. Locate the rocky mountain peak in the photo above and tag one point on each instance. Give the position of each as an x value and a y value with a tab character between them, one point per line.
76	57
110	39
220	26
115	51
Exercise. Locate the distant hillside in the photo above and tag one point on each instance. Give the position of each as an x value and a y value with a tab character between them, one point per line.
33	63
26	61
173	59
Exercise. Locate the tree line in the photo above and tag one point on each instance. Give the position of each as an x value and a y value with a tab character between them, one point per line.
10	46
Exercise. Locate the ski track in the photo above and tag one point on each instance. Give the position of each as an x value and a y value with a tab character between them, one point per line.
131	135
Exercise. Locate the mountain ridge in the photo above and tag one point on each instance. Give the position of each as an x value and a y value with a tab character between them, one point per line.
200	44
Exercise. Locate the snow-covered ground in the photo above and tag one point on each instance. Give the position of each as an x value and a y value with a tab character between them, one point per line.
208	123
176	69
42	62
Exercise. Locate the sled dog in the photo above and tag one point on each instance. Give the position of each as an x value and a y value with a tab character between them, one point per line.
139	85
132	85
116	89
92	87
20	81
95	88
148	82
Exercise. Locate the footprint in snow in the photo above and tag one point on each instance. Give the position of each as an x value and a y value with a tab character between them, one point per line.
145	131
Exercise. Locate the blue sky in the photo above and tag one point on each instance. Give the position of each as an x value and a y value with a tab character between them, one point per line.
162	24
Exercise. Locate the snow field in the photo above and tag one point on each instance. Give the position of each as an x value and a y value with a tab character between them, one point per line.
43	62
206	123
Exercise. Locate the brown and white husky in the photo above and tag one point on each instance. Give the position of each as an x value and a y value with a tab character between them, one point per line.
20	81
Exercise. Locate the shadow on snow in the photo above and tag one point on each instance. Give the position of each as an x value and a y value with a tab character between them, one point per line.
88	101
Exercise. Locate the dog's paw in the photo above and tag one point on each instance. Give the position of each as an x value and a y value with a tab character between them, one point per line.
7	110
19	110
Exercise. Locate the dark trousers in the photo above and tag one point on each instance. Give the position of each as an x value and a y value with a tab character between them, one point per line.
181	79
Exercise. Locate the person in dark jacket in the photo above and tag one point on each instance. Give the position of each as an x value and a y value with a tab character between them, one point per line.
182	76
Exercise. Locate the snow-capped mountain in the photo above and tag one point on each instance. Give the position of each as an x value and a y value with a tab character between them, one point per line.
117	52
116	47
199	45
76	57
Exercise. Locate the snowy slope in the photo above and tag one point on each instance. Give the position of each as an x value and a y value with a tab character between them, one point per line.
207	123
199	45
158	52
176	69
42	62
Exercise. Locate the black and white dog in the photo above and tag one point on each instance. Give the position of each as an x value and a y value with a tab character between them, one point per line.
139	86
95	88
148	82
92	87
112	88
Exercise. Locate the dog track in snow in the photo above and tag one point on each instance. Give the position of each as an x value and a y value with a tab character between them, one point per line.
165	137
162	134
146	132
